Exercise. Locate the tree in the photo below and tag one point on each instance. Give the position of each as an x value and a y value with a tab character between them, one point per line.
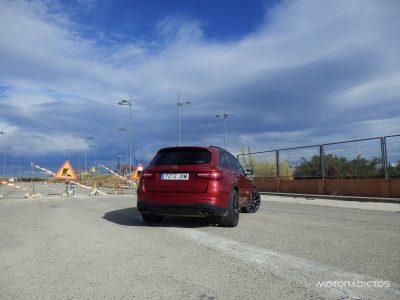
339	167
394	170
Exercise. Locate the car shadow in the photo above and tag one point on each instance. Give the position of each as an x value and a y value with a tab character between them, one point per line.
126	217
131	217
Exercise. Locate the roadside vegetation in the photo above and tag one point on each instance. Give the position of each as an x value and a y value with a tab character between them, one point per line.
343	168
335	167
266	168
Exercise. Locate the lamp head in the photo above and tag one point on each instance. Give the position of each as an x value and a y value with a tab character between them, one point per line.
124	102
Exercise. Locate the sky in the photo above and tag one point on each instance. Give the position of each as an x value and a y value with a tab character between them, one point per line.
287	73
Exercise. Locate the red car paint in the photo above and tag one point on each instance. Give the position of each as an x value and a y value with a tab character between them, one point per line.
192	181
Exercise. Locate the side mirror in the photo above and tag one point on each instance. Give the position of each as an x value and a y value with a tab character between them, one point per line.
248	172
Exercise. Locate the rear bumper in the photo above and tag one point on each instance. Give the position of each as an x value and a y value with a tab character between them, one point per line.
183	204
189	210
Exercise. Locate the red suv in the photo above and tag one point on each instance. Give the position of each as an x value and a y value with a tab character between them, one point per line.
198	182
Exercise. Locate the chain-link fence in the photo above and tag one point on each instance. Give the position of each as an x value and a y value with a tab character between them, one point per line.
377	157
392	155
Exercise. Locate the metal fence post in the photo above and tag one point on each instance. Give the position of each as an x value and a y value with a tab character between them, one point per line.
278	175
384	157
321	160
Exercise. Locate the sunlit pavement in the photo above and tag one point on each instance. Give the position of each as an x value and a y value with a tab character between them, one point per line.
98	247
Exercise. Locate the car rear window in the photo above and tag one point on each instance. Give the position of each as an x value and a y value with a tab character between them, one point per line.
182	156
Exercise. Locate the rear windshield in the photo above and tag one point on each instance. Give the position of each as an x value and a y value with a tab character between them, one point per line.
182	156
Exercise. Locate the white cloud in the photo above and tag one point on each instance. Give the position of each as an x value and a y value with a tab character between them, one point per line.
308	62
377	90
7	129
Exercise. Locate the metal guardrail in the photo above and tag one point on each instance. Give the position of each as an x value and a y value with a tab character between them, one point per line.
376	157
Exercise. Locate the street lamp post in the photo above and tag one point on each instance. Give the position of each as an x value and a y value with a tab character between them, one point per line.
179	104
5	160
126	145
224	117
95	158
86	139
129	103
69	154
119	164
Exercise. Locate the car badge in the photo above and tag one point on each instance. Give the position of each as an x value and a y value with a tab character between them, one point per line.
175	167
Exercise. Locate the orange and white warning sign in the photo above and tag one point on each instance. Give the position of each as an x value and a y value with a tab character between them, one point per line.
138	171
65	172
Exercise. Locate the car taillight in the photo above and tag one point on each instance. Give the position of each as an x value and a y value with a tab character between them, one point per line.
147	175
210	175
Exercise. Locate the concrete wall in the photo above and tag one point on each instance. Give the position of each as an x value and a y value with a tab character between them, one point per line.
347	187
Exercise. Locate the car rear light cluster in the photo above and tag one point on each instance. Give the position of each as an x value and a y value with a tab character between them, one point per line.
210	175
147	175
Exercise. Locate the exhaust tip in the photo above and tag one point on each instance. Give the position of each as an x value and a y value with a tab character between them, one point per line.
206	212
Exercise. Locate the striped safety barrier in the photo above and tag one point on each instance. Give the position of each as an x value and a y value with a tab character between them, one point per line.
119	176
14	185
77	183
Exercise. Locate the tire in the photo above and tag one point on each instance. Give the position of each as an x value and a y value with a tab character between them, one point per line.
254	204
152	218
232	219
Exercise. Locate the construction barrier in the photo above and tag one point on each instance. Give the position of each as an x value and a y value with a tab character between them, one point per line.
136	174
119	176
13	185
93	191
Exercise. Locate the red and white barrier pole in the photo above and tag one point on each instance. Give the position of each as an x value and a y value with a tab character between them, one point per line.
119	176
77	183
14	185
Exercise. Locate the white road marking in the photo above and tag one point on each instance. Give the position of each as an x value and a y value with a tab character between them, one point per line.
304	272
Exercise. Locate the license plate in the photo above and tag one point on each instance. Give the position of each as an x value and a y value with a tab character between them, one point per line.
175	176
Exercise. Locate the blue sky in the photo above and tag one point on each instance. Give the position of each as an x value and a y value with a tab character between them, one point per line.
288	73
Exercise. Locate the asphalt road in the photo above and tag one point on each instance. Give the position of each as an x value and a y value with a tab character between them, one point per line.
99	248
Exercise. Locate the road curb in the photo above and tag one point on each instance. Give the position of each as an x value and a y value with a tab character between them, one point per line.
334	197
